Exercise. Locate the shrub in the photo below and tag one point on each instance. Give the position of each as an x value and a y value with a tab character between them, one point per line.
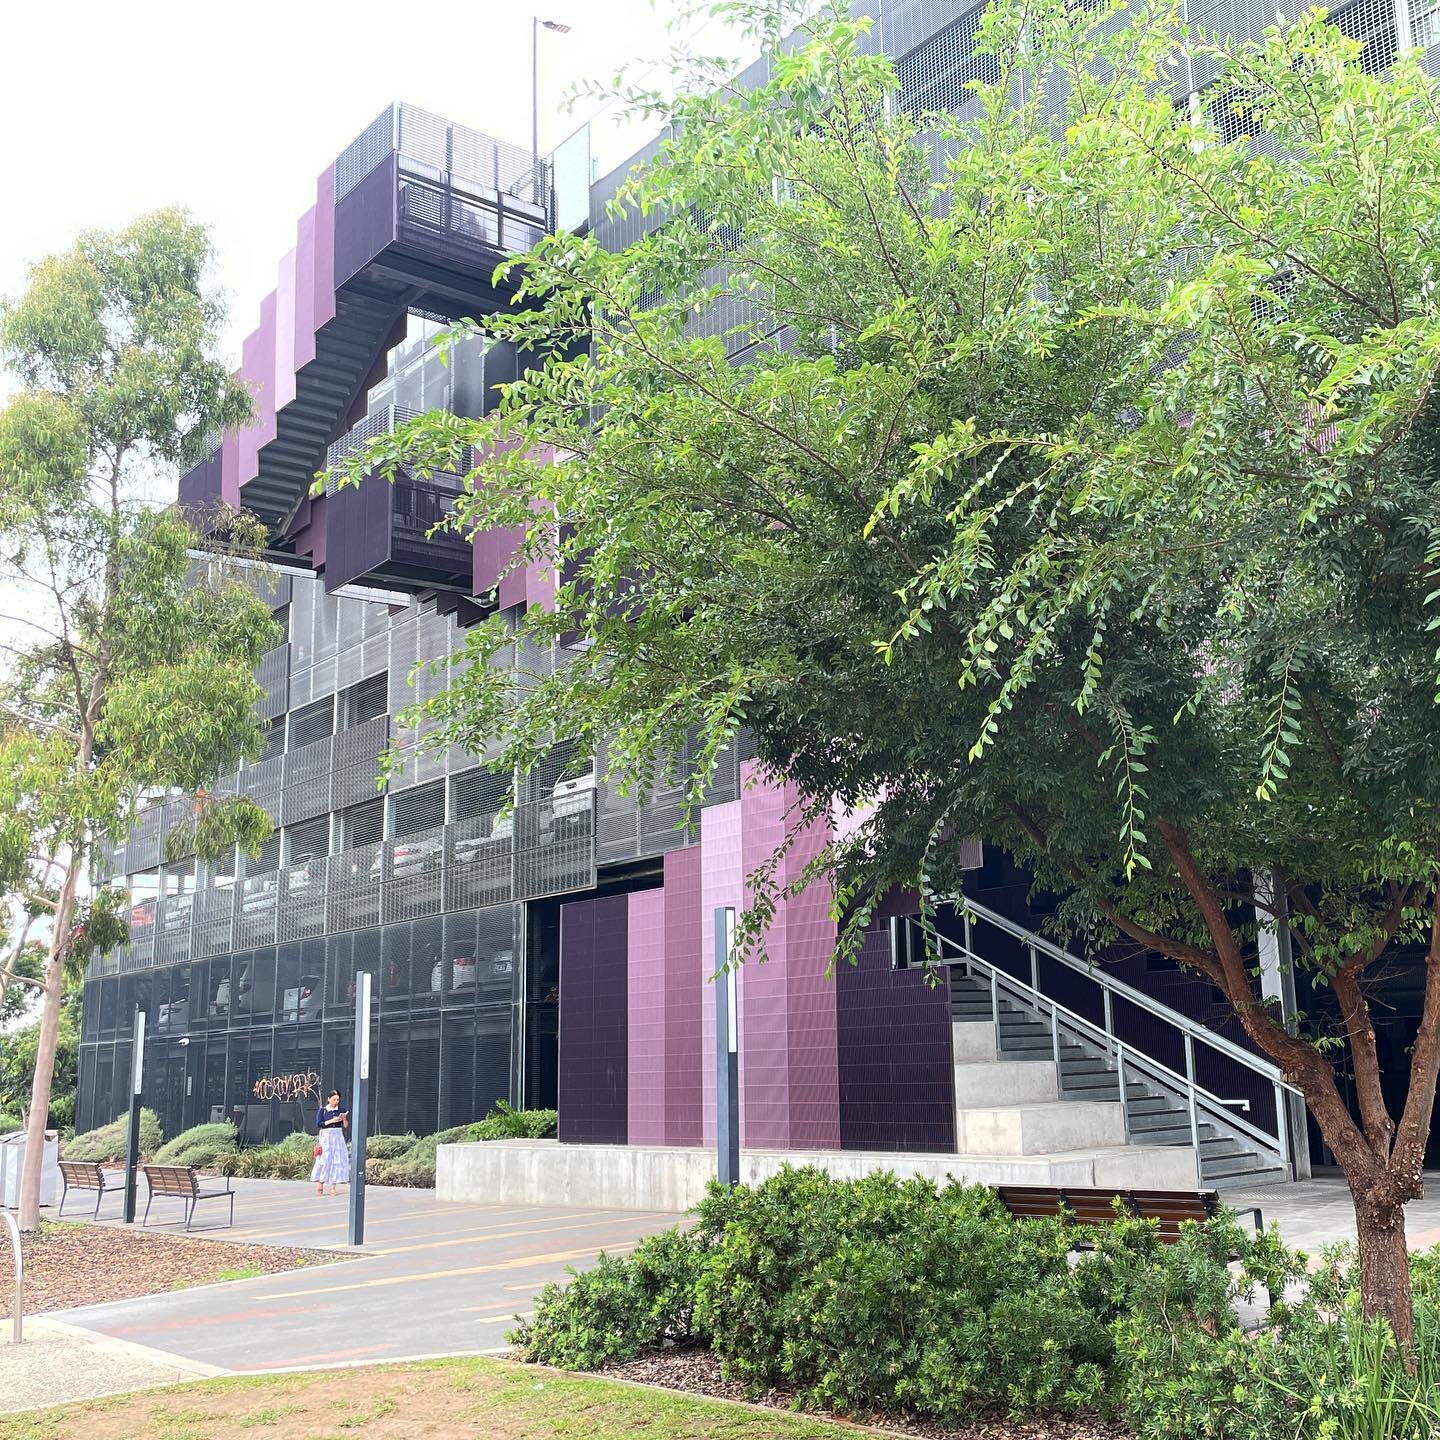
108	1141
297	1142
201	1145
505	1123
882	1294
8	1122
400	1173
620	1307
285	1161
62	1112
388	1147
422	1152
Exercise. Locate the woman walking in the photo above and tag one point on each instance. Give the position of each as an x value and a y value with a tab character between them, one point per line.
332	1154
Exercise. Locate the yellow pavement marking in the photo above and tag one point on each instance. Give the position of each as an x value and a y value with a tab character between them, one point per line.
520	1262
540	1227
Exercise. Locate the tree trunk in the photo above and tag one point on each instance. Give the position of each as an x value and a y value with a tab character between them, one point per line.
53	1003
1385	1266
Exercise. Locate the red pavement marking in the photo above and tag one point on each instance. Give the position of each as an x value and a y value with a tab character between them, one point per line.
1423	1239
188	1322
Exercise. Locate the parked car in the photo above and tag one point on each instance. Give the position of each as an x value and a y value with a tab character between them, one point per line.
465	970
573	800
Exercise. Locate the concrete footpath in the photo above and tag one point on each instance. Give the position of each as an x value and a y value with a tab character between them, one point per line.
432	1279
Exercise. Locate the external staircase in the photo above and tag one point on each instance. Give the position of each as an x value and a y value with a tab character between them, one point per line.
1036	1076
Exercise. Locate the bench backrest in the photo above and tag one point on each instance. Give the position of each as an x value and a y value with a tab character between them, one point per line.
83	1174
170	1180
1169	1208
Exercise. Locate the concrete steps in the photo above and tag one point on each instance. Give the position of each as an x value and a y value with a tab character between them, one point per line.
1016	1123
1020	1068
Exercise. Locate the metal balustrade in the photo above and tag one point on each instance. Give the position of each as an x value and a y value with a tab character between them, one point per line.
544	847
1132	1064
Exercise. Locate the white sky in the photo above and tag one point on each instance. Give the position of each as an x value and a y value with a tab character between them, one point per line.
109	110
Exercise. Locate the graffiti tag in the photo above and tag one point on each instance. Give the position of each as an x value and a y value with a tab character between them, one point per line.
287	1087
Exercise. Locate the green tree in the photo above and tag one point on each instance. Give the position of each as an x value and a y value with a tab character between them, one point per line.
1079	492
128	662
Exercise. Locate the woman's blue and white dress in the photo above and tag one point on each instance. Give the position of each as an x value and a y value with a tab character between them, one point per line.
332	1164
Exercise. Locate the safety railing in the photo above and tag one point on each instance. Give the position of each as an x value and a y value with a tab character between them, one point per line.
1202	1105
17	1329
542	847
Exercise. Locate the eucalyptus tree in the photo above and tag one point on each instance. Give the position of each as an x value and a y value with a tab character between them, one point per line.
1070	482
127	661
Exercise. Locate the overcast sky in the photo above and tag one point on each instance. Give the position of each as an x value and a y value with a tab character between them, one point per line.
109	110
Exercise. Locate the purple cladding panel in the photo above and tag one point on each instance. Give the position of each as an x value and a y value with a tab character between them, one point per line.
323	311
764	1041
593	1098
722	882
684	992
646	1017
365	220
285	364
789	1070
896	1073
811	1038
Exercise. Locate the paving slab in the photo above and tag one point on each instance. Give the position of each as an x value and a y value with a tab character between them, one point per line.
58	1362
1314	1213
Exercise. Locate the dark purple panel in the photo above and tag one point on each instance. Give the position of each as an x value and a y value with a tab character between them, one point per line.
593	1098
365	220
893	1036
358	522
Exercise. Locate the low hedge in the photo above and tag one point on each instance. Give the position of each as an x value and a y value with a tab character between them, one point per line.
880	1297
401	1160
200	1145
108	1142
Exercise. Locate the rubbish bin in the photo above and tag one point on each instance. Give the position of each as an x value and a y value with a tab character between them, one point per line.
12	1167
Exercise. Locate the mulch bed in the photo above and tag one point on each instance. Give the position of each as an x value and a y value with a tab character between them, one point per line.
77	1264
698	1372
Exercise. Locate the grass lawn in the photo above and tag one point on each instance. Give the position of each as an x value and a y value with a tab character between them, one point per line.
440	1399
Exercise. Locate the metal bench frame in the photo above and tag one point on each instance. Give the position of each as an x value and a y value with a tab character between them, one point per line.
92	1170
180	1182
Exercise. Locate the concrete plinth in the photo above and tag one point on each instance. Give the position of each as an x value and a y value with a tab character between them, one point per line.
673	1178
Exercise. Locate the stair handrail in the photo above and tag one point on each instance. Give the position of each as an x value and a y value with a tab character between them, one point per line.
1197	1096
1216	1041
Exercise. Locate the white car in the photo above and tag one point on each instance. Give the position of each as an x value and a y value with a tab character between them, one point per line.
573	799
465	970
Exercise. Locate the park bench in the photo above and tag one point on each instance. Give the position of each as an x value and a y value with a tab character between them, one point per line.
1168	1208
180	1182
88	1175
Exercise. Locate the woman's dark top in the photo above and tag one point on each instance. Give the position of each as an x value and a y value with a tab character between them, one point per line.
325	1116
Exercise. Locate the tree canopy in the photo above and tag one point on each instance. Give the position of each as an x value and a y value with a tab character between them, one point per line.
128	660
1070	482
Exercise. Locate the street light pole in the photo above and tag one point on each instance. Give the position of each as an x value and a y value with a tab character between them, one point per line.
535	26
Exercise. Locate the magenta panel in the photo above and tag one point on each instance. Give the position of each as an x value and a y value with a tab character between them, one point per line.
305	325
810	1010
324	310
684	993
646	1037
763	988
285	323
722	882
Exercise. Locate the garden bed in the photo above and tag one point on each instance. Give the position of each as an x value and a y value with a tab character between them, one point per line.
69	1264
697	1372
